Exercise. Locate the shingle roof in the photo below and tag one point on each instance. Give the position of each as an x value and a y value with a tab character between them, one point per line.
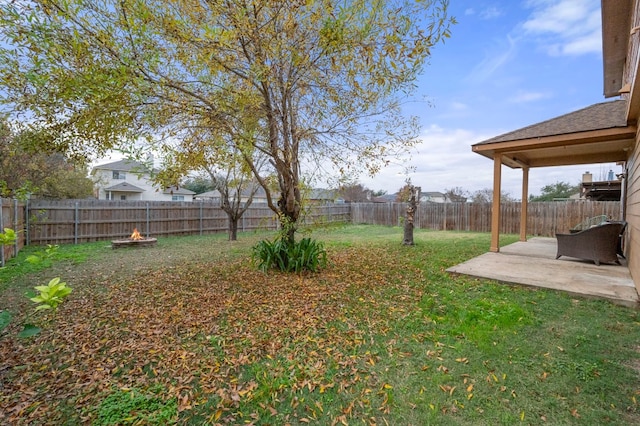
124	187
177	190
209	194
123	165
321	194
605	115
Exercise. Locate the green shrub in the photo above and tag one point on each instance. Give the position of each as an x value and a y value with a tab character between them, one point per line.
306	254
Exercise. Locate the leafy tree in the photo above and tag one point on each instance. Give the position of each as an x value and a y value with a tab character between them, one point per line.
555	191
456	195
355	192
323	78
26	170
217	153
198	184
486	196
237	189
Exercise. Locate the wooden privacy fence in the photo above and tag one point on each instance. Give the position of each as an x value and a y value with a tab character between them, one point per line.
543	218
77	221
73	221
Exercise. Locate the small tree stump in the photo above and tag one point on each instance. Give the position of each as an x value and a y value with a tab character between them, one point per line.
410	217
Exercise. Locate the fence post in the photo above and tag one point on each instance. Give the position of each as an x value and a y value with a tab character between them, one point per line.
444	221
27	225
1	230
148	217
76	218
15	226
201	201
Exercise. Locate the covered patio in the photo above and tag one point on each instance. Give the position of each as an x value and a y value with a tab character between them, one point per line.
599	133
595	134
533	263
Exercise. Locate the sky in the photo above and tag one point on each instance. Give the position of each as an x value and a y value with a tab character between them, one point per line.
507	65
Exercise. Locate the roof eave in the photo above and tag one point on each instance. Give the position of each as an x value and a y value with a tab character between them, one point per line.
569	141
615	38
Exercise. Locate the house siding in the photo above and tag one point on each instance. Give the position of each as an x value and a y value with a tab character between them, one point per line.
633	213
632	203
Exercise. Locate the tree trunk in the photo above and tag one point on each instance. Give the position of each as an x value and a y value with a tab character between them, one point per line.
411	212
408	226
233	228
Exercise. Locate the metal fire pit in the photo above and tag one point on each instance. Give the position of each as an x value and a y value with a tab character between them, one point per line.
134	242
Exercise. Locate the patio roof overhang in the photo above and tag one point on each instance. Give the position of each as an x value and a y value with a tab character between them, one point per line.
595	146
599	133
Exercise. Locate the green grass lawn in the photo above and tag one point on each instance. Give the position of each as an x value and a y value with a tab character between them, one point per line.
190	332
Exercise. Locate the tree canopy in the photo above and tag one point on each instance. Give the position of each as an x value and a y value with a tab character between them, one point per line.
486	196
28	171
297	81
556	191
456	194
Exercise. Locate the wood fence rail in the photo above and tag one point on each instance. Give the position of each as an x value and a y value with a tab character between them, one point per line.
543	218
77	221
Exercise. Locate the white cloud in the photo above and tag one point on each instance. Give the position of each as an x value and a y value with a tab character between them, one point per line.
523	96
490	13
565	27
493	62
443	160
459	106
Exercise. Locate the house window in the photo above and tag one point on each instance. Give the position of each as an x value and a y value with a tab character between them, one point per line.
119	175
177	198
123	197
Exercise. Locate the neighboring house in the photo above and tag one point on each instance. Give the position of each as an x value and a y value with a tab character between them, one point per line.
602	133
127	180
315	196
209	196
322	196
260	197
386	198
607	190
433	197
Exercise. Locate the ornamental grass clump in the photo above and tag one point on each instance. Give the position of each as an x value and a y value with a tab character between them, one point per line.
303	255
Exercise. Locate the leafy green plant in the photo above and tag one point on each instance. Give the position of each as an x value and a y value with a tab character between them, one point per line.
41	256
51	295
306	254
8	237
132	406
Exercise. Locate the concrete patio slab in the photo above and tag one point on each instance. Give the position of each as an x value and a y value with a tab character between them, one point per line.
533	263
